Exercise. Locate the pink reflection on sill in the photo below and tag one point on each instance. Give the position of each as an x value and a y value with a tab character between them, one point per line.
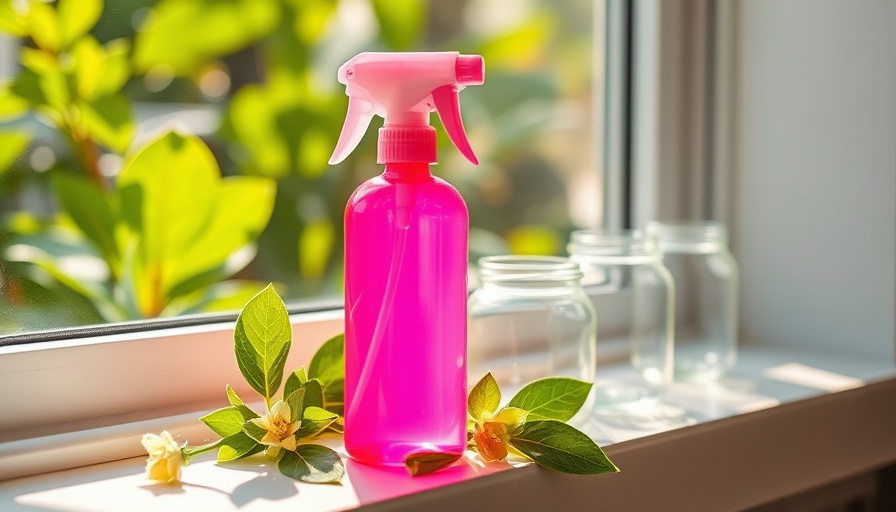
373	484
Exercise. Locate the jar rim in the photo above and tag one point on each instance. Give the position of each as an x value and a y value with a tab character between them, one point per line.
679	232
528	268
613	243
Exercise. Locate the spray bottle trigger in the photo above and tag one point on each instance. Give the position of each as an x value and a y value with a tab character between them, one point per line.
448	107
360	113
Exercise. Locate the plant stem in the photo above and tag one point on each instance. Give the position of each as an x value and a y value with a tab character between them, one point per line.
90	156
192	451
156	295
86	149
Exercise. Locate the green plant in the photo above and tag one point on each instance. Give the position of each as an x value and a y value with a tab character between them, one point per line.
168	230
533	424
69	78
262	339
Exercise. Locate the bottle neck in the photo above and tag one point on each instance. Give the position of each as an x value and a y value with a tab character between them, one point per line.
407	171
398	143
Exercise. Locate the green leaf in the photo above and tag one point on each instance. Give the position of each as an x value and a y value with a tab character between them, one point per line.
166	220
254	431
11	104
13	20
116	68
227	296
90	209
334	396
554	398
313	413
311	19
312	463
43	252
294	381
328	366
527	38
108	121
262	339
315	245
328	363
88	58
188	236
421	463
240	209
485	397
43	25
401	22
25	86
183	35
296	401
12	144
338	426
237	402
100	71
224	422
254	118
314	395
558	446
77	17
512	417
50	83
237	446
533	239
314	421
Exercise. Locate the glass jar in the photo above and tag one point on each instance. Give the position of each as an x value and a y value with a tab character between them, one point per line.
529	319
633	298
706	280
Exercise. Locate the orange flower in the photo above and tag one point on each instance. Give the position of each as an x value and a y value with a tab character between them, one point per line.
491	441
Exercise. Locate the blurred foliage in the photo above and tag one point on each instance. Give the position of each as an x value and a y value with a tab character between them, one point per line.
161	238
163	233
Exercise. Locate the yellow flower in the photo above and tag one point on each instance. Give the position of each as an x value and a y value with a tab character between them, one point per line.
165	458
280	432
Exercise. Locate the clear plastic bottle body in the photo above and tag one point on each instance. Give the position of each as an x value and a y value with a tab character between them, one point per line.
406	238
633	298
706	281
530	319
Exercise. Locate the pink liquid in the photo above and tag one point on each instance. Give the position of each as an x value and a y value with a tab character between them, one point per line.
411	397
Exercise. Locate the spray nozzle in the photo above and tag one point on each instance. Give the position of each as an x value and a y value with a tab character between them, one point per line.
403	88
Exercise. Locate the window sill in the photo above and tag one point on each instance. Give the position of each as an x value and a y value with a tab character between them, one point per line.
783	423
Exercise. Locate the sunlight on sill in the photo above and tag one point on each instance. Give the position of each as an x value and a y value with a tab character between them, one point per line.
802	375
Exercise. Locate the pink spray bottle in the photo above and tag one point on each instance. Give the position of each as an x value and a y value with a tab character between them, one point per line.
406	235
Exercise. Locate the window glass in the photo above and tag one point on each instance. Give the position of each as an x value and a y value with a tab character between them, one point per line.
165	158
